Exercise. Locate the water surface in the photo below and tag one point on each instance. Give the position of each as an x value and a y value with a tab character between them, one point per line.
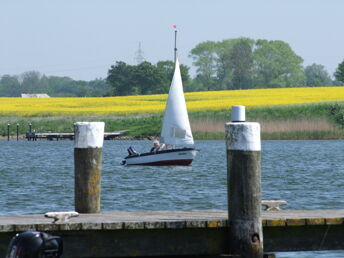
37	177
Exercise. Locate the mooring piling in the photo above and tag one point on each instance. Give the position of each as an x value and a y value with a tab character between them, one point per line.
17	132
88	145
244	185
8	132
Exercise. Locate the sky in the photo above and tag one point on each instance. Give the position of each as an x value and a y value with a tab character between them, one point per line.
81	39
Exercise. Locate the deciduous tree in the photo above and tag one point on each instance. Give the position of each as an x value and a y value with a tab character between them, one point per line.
10	86
339	74
316	75
277	65
120	77
144	78
206	62
31	82
241	64
166	68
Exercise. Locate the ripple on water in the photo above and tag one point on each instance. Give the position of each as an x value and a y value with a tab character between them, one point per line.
37	177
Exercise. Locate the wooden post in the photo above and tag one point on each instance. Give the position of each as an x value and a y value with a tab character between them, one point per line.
8	132
88	145
244	186
17	131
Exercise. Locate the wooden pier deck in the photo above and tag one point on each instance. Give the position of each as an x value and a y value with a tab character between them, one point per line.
129	234
68	136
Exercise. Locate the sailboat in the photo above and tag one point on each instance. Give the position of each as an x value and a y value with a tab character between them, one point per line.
176	130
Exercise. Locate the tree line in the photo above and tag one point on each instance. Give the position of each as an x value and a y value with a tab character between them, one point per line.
34	82
144	78
245	63
231	64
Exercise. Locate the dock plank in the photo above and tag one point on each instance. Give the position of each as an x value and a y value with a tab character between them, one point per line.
112	234
190	219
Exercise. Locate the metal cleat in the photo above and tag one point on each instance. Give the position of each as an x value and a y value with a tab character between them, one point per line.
273	205
61	216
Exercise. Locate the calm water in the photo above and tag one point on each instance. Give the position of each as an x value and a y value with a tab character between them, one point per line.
37	177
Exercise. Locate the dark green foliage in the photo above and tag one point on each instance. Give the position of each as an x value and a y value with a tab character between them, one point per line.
120	79
337	113
148	79
10	86
316	75
144	78
277	65
245	63
339	74
241	64
33	82
206	60
218	62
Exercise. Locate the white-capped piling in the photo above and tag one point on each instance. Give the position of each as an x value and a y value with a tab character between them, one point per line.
88	146
238	114
244	185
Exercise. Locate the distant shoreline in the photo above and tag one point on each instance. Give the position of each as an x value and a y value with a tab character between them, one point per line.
316	121
279	137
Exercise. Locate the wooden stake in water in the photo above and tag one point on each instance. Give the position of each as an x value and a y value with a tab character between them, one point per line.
88	145
17	132
244	187
8	132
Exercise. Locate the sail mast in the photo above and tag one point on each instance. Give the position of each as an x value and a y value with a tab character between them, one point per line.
176	125
175	43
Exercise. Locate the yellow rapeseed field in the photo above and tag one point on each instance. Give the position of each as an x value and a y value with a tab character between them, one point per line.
152	104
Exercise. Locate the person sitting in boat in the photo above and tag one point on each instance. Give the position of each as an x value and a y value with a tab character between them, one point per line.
157	146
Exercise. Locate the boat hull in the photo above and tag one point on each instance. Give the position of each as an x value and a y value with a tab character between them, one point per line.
175	157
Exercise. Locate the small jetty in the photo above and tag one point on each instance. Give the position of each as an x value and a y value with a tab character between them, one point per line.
245	229
174	233
33	136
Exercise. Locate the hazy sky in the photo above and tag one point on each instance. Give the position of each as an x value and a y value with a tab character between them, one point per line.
82	38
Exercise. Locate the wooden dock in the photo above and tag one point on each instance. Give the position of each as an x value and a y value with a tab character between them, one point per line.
162	233
33	136
207	233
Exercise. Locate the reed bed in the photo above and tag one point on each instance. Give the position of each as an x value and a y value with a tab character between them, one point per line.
302	125
155	104
296	129
282	126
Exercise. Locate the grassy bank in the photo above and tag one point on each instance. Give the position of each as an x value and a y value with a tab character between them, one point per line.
306	121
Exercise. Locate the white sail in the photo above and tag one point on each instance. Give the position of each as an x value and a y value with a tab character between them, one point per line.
176	128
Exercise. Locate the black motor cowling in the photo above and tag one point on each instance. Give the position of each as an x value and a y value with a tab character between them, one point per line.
34	244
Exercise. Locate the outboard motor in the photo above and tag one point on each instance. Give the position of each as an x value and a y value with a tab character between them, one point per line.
34	244
132	151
